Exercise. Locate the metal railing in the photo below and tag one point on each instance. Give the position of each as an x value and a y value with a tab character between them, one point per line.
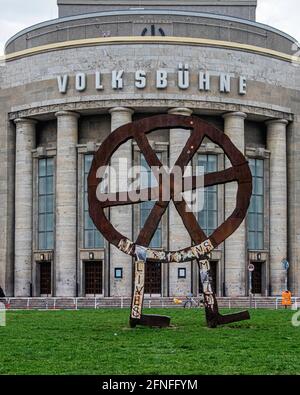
295	303
76	303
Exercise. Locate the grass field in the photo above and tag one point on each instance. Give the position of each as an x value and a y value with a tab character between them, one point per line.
100	342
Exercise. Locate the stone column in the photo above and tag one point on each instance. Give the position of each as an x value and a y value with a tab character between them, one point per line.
276	144
25	143
66	203
7	202
178	236
235	245
121	216
293	151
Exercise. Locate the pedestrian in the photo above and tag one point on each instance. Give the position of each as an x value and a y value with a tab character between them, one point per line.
286	299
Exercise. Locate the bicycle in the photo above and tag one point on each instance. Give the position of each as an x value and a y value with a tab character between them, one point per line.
192	302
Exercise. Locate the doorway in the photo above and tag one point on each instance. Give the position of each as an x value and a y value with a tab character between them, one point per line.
93	278
153	278
45	279
257	278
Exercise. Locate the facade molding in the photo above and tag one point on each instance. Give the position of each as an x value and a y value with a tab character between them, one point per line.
127	40
199	107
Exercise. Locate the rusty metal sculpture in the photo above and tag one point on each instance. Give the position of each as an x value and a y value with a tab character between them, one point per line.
239	172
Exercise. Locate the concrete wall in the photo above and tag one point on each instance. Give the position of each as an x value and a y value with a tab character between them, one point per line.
237	8
133	23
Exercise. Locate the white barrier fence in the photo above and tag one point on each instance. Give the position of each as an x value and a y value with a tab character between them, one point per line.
294	302
73	303
2	314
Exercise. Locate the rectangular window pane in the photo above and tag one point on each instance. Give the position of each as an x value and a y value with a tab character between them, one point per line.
202	219
208	217
252	205
89	239
259	204
252	165
50	167
92	237
49	185
255	220
211	201
212	220
251	240
259	168
49	204
98	240
46	203
88	162
42	167
49	222
42	222
42	241
259	186
49	241
260	222
89	224
260	240
42	186
42	204
251	222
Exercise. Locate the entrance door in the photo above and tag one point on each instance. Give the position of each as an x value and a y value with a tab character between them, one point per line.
153	278
93	278
45	278
257	278
214	277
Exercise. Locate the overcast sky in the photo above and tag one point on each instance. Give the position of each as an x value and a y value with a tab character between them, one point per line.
17	14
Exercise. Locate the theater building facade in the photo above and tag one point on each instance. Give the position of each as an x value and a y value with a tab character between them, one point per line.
66	84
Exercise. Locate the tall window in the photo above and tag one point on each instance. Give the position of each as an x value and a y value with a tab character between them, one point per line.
148	180
208	217
46	204
256	209
92	237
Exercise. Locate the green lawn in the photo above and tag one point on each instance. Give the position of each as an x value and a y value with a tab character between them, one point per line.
100	342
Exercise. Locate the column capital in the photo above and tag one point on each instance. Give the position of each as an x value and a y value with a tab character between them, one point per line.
236	114
279	121
28	121
121	109
180	111
67	114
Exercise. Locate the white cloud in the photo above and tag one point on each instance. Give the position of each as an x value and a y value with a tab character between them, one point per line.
282	14
19	14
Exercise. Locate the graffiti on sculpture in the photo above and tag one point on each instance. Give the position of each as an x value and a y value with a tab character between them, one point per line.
239	172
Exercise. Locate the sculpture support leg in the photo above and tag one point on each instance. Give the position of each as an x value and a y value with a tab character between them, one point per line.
138	292
213	317
136	316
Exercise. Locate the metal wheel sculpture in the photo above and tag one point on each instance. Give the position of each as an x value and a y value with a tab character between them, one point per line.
203	245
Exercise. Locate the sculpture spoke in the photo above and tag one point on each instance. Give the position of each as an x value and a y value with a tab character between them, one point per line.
151	224
147	150
192	183
190	222
127	198
191	147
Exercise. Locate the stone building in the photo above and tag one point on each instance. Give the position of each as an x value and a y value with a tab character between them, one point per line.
67	83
